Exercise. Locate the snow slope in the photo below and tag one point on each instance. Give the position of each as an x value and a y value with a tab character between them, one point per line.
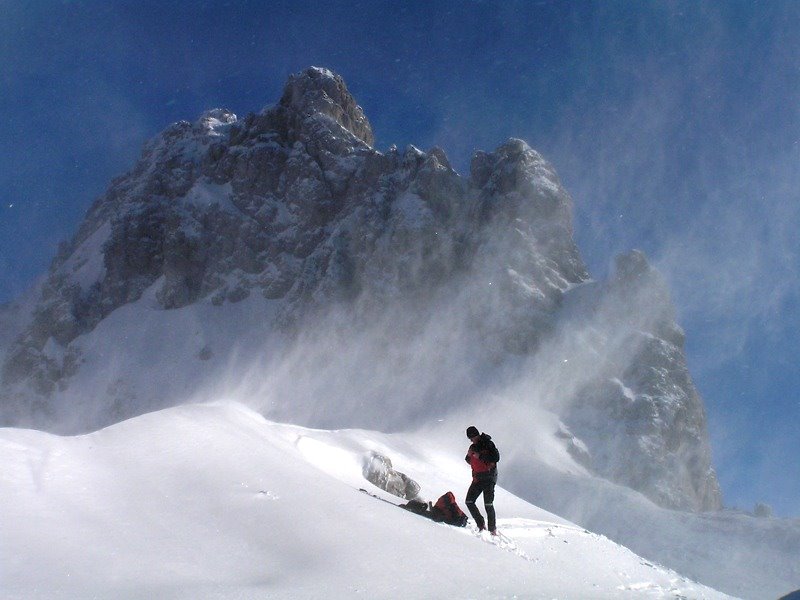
743	555
213	501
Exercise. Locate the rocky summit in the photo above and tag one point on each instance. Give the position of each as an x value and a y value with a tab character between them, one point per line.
349	286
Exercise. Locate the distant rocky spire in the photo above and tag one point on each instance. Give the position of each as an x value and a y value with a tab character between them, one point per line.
320	91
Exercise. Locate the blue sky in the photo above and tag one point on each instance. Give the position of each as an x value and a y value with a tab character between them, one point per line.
674	125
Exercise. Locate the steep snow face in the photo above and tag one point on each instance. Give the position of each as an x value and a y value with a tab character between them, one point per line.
84	266
16	315
213	501
283	257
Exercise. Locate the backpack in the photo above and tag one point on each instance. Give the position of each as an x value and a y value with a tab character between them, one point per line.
490	453
418	507
446	510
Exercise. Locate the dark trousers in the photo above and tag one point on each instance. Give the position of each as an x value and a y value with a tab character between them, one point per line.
485	486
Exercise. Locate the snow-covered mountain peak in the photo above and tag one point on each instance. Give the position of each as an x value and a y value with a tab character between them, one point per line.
526	181
635	281
333	245
318	91
189	141
216	122
631	266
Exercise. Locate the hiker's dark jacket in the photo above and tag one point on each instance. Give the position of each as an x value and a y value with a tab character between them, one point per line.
482	456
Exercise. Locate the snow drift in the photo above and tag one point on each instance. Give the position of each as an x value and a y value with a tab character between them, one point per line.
213	501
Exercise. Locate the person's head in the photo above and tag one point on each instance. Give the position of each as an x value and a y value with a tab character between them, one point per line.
473	433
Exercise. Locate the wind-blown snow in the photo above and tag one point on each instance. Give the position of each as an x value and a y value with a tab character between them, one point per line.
213	501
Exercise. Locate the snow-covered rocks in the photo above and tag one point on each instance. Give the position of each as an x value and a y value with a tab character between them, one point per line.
642	381
379	472
317	91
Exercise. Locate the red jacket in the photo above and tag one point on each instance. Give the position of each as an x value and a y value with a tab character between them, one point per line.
478	465
482	456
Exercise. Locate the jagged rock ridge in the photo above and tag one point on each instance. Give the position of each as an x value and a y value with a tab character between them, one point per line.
293	206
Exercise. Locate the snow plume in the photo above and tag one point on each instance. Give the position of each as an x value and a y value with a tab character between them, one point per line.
706	189
593	343
734	272
388	374
742	245
397	367
659	159
722	230
461	350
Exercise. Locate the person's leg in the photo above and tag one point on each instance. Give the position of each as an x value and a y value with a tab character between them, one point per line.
472	495
488	502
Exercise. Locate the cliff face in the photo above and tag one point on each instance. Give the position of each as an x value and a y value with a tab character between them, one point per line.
642	413
293	210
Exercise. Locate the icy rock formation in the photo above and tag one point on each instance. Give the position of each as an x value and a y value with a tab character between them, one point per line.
643	403
294	207
316	92
378	471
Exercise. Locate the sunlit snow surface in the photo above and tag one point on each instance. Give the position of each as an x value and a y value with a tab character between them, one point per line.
213	501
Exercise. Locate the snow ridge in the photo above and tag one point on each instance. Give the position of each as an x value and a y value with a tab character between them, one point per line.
216	502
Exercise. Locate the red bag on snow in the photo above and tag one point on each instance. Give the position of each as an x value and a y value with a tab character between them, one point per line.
446	510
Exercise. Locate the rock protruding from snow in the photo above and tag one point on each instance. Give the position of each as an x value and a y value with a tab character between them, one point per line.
378	471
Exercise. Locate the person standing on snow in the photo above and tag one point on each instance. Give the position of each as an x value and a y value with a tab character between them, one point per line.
482	456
